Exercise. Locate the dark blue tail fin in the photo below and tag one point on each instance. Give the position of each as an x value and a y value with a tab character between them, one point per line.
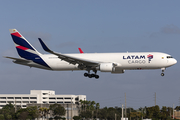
24	48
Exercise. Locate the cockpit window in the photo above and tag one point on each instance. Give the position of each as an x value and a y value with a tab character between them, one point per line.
169	57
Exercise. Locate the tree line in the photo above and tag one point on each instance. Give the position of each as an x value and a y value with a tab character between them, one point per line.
92	110
87	110
8	112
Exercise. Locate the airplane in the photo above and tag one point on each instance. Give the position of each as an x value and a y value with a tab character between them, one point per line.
103	62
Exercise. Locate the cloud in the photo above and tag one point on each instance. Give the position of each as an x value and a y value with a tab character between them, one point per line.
170	29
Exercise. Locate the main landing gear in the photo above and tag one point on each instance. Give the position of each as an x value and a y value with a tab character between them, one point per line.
163	69
91	75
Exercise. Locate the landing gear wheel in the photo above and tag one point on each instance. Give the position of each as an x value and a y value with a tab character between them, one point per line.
90	76
85	74
96	76
162	74
163	69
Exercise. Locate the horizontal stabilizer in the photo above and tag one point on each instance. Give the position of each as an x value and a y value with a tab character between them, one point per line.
17	59
29	63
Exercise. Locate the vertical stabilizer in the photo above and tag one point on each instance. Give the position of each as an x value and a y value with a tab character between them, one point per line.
24	48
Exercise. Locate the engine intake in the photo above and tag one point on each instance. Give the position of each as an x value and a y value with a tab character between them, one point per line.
106	67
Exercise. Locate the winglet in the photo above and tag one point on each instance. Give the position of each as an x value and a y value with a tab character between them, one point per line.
80	50
44	45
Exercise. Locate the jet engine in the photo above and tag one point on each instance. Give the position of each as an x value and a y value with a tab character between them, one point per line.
106	67
110	67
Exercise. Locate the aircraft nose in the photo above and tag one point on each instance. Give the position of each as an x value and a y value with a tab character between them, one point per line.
174	61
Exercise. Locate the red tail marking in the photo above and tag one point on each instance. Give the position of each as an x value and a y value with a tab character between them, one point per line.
80	50
22	48
16	34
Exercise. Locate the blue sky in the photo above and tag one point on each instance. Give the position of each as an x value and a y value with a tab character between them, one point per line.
95	26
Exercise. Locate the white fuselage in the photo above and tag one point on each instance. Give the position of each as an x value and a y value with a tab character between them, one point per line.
104	62
126	61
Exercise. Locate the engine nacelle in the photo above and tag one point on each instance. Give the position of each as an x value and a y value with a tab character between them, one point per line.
118	70
106	67
110	67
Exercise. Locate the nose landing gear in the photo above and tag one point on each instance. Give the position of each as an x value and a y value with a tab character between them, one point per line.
163	69
162	74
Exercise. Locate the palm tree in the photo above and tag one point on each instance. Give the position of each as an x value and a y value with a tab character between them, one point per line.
88	103
44	111
97	108
92	103
82	104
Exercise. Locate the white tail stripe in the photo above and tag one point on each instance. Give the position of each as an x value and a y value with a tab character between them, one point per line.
32	51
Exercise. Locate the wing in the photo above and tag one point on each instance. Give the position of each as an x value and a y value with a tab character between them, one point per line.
72	60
